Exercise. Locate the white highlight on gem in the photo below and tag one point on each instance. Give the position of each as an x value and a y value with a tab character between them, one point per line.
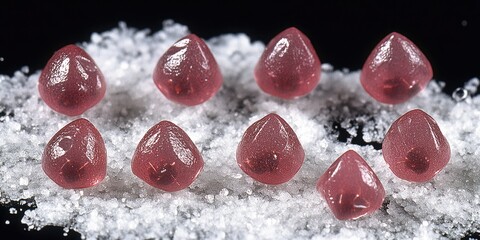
61	71
383	53
58	150
90	141
280	48
181	150
174	61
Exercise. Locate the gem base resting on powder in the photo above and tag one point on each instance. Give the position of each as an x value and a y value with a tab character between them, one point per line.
350	187
223	202
75	157
269	151
415	148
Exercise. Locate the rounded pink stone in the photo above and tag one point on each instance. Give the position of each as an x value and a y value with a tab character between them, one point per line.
269	151
71	82
415	148
187	73
166	158
350	187
396	70
289	67
76	157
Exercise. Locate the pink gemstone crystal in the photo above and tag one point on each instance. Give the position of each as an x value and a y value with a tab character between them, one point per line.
350	187
396	70
166	158
71	82
76	157
187	73
415	148
289	67
269	151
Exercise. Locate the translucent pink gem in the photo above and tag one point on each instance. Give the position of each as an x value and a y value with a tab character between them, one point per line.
415	148
166	158
269	151
289	67
350	187
187	73
71	82
396	70
76	157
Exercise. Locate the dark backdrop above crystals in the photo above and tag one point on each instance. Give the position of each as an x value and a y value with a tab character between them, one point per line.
343	33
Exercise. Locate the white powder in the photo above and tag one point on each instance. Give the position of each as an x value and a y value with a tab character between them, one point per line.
223	202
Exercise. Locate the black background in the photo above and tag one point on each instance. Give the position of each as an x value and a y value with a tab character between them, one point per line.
343	33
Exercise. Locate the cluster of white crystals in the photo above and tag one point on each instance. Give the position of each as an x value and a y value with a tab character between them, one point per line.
224	202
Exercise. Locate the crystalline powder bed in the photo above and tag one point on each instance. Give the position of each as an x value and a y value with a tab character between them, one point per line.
224	202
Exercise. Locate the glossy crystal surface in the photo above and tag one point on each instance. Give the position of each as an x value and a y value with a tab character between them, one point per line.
350	187
415	148
76	157
396	70
270	151
166	158
187	72
289	66
71	81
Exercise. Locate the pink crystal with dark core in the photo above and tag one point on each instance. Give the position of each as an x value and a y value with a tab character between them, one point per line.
187	73
289	67
166	158
350	187
269	151
71	82
396	70
76	157
415	148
